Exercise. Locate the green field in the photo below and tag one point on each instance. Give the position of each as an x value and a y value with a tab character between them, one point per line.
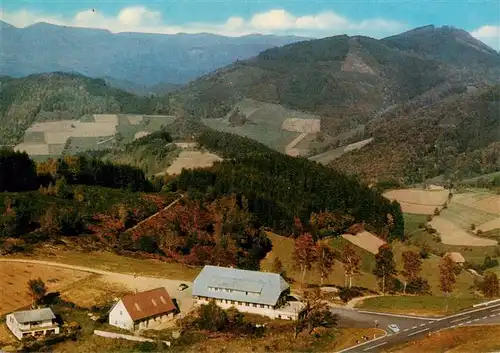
263	123
418	305
76	145
464	216
275	138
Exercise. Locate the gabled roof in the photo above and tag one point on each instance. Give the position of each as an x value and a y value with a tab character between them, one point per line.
455	257
26	316
239	285
149	303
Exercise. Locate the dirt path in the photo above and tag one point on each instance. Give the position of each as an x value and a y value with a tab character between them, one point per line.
290	148
352	303
133	282
154	215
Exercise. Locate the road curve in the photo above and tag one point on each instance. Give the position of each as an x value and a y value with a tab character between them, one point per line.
488	314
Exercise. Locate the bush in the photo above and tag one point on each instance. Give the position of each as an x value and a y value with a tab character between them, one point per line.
394	285
437	212
425	252
473	227
347	294
418	286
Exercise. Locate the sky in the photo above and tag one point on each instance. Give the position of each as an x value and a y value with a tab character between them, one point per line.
312	18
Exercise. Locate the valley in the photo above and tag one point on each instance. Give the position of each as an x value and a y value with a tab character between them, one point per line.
357	177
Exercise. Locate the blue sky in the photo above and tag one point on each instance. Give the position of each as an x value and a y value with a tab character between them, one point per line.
316	18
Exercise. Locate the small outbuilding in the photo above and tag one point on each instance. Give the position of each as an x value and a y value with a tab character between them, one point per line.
37	323
142	310
456	257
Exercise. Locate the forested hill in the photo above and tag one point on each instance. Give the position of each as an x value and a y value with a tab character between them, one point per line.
345	77
58	96
458	137
279	188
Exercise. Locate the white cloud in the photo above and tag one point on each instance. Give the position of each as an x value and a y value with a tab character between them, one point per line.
278	21
489	35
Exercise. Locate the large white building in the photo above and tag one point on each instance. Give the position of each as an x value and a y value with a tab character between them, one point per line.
142	310
254	292
37	322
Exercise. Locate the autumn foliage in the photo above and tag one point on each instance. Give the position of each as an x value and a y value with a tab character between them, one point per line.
220	232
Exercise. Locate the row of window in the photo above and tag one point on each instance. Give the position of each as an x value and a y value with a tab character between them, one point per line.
263	306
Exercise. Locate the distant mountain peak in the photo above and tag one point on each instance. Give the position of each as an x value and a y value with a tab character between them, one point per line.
4	24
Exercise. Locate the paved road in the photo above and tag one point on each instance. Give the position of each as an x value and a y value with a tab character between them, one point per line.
481	315
366	319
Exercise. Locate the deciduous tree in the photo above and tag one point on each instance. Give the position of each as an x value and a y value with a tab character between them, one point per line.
326	260
277	266
36	289
351	262
412	266
385	265
490	286
316	313
305	253
447	276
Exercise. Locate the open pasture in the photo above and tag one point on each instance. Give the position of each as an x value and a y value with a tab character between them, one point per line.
365	240
452	234
464	216
419	201
192	159
309	126
15	277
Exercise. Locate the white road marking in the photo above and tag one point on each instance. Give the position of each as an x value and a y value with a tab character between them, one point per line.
493	315
468	322
415	333
422	325
453	326
484	317
406	329
460	324
378	345
471	311
463	318
475	320
414	327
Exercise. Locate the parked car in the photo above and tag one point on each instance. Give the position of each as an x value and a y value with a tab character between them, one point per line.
182	287
394	328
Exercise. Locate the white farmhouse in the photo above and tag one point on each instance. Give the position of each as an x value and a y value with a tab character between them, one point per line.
254	292
37	322
142	310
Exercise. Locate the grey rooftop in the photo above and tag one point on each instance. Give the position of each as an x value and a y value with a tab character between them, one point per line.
239	285
26	316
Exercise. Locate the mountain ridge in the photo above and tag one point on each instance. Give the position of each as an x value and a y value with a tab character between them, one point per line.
173	58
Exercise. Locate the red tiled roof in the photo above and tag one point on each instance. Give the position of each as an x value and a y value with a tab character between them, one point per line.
150	303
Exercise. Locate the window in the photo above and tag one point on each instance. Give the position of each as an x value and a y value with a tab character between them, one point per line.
255	305
262	305
121	312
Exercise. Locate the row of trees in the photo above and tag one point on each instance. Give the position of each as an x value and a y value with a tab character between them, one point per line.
309	253
19	173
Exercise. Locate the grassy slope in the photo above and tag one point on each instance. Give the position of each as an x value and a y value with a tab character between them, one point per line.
115	263
23	100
